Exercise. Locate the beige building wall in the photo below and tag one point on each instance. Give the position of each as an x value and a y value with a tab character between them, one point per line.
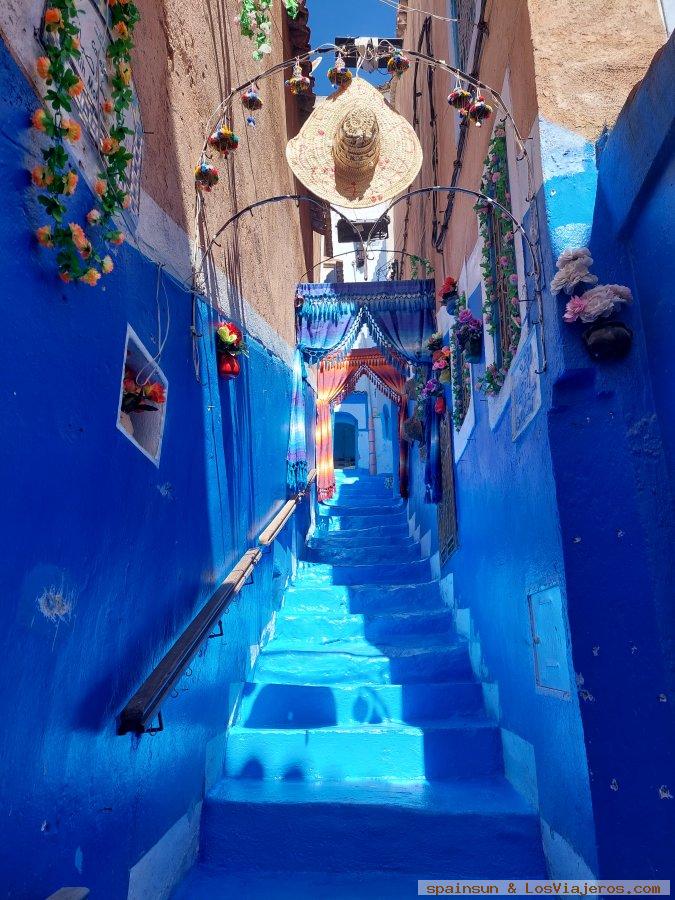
573	62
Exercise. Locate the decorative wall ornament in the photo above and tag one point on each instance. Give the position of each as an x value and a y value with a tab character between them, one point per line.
298	83
501	308
229	345
339	75
255	23
251	102
573	269
397	64
224	140
78	258
206	176
598	302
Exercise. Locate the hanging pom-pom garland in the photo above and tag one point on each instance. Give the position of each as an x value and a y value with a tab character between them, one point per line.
206	176
251	101
339	75
224	140
479	110
398	64
298	83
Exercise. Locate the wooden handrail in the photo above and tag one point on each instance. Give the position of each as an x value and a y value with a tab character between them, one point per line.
146	703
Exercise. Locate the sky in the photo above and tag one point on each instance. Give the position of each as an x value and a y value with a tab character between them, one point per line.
348	18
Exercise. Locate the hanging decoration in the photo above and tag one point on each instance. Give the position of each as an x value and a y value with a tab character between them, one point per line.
77	257
206	176
448	294
255	22
229	345
498	264
460	99
468	332
479	110
298	83
224	140
398	64
251	102
296	457
339	75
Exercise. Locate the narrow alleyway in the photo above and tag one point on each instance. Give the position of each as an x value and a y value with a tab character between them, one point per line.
363	732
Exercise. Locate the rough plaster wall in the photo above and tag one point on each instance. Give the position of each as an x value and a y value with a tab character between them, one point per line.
504	49
588	56
189	55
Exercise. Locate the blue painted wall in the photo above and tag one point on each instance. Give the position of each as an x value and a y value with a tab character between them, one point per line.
135	548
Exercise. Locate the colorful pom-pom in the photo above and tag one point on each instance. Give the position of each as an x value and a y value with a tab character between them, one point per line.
479	110
398	64
460	99
251	100
223	140
298	83
206	176
339	75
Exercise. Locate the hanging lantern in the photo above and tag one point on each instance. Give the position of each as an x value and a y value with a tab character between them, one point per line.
228	365
224	140
339	75
206	176
479	110
251	101
460	99
298	83
398	64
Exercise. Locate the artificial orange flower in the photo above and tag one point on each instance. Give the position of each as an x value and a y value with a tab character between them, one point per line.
42	65
73	130
109	146
117	238
77	234
39	118
107	265
124	71
75	43
44	236
107	107
71	183
94	216
53	18
155	392
126	201
91	277
100	187
66	277
121	30
42	177
76	89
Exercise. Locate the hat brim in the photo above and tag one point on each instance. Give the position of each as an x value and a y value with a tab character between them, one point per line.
310	153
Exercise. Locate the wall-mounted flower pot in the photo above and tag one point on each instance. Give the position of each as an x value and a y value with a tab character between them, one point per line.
607	341
228	365
473	349
439	405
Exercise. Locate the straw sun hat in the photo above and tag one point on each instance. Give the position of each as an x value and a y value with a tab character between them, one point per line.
355	150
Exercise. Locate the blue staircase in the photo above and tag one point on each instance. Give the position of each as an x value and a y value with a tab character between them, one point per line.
361	758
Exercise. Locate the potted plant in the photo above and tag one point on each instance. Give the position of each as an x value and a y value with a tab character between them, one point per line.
137	397
229	344
434	389
605	339
435	342
448	294
468	331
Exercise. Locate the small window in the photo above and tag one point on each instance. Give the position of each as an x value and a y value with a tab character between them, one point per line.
141	411
347	231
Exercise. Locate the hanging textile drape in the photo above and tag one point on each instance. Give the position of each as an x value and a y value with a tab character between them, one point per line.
337	379
400	316
296	468
433	475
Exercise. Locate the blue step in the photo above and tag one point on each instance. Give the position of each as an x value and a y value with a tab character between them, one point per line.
351	522
362	598
320	706
436	750
344	662
364	509
389	573
474	828
363	536
325	552
377	629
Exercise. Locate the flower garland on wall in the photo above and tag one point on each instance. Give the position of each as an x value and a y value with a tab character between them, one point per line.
76	258
495	184
461	375
255	22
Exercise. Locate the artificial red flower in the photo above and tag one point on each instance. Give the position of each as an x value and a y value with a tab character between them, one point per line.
155	392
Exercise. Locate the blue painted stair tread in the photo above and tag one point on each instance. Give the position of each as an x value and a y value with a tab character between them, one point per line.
361	757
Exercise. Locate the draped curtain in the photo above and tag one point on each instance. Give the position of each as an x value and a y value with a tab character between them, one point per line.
400	316
337	379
